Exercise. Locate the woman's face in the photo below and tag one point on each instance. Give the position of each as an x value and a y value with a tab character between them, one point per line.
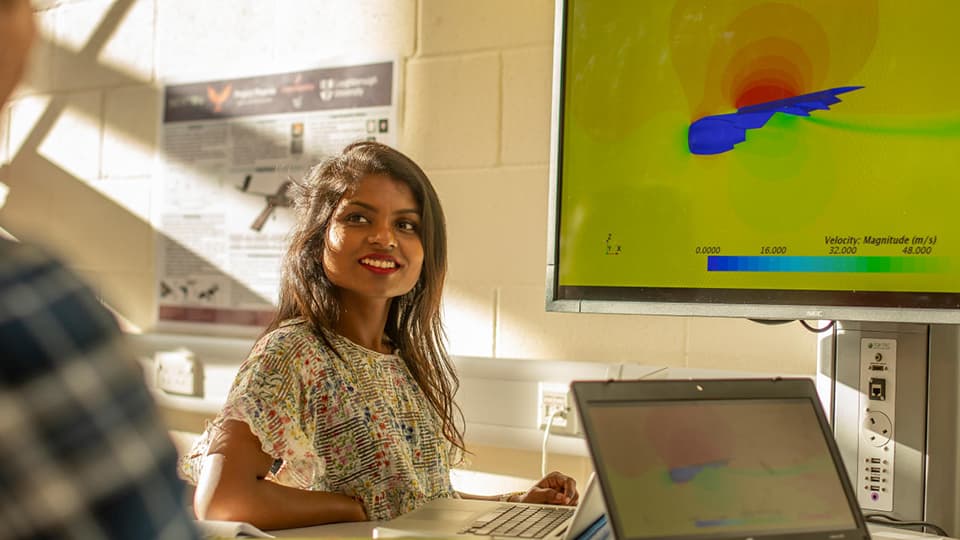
373	248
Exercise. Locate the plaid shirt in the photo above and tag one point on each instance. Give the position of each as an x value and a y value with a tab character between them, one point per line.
83	453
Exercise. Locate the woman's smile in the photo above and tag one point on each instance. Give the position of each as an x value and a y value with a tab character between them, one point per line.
373	248
380	264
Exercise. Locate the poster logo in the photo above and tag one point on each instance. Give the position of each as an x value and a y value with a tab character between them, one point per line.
219	98
368	85
326	89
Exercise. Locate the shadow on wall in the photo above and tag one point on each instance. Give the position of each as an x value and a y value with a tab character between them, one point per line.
51	205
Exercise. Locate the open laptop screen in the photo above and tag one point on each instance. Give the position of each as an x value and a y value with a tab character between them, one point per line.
717	468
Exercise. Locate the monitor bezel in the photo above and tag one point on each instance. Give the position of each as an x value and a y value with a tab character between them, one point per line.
588	393
867	306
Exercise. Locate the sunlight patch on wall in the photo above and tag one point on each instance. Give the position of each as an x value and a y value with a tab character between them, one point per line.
73	141
75	33
526	330
4	135
46	24
468	319
24	114
85	59
133	194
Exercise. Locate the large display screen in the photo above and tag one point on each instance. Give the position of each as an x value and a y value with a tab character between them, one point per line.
762	158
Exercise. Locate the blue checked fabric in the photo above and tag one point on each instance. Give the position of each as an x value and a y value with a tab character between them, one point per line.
83	452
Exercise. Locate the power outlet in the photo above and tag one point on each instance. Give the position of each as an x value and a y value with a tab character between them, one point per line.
178	373
876	448
555	399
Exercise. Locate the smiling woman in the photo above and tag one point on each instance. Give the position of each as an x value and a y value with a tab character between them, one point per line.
344	409
373	243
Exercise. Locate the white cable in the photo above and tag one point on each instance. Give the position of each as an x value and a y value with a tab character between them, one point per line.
546	437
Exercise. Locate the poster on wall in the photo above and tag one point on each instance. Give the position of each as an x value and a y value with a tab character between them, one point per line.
229	149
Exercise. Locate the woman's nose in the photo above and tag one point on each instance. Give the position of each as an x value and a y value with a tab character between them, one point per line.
383	236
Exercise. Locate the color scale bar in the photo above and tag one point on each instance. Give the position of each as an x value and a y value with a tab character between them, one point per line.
847	264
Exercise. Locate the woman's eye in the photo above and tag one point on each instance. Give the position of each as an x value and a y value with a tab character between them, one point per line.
356	218
408	226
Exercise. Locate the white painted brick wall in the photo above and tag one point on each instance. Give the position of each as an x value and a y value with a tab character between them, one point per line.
497	223
103	43
130	292
130	132
525	330
475	100
72	139
526	106
468	315
24	113
458	26
230	38
452	114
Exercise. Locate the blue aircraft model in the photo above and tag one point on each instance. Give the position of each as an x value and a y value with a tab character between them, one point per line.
719	133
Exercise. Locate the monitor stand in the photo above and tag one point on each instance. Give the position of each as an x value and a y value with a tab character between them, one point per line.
890	392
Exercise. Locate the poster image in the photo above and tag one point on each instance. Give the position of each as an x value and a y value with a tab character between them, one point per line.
229	150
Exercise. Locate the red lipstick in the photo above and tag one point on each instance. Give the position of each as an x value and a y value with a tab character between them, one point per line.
379	264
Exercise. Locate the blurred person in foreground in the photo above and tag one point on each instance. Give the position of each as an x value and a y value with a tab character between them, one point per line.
83	452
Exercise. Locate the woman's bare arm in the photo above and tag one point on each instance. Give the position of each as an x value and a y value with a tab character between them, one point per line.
232	486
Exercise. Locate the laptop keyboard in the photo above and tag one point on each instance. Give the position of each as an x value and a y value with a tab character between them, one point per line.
519	521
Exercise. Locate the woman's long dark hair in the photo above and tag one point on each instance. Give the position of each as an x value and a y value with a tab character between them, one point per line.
413	322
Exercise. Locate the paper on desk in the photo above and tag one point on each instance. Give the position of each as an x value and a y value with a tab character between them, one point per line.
387	532
229	529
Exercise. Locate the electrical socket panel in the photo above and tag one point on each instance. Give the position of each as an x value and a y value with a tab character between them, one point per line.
178	373
552	397
877	445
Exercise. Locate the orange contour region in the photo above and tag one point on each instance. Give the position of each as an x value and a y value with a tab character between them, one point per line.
771	51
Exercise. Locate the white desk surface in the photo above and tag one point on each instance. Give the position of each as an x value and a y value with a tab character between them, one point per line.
364	529
882	532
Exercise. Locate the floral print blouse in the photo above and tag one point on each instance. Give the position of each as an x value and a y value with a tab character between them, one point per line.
337	417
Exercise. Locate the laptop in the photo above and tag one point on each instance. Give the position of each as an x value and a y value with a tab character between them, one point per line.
717	459
492	519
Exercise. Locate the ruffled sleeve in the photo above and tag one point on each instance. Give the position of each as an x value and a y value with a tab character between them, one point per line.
268	396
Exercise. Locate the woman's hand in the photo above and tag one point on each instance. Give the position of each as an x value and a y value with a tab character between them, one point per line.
554	488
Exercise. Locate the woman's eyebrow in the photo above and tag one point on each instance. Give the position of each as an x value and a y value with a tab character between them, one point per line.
360	204
373	208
